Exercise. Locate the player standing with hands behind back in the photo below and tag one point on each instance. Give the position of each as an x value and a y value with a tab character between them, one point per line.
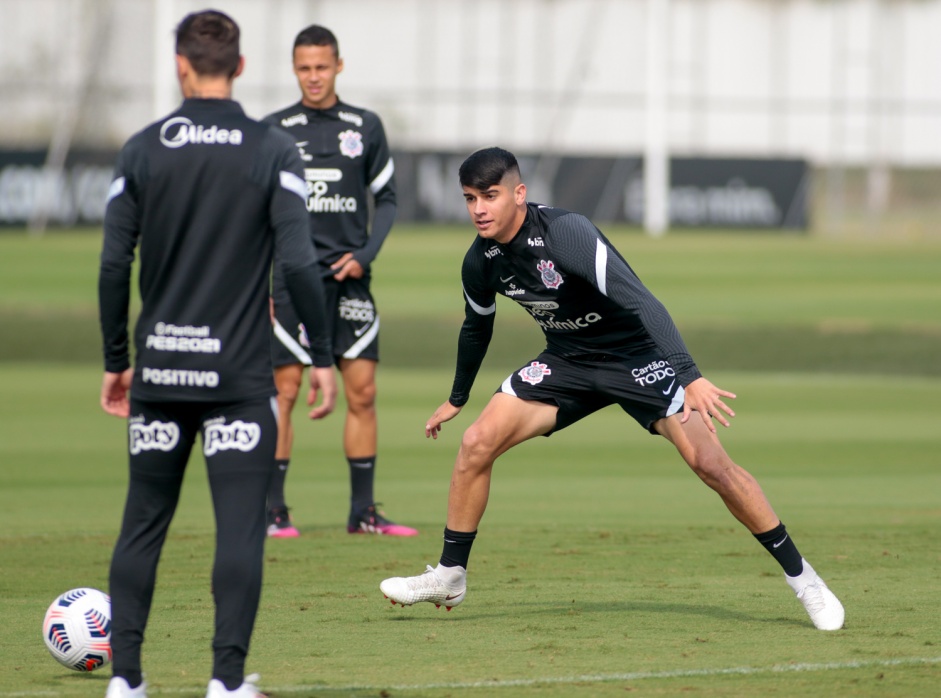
346	160
207	193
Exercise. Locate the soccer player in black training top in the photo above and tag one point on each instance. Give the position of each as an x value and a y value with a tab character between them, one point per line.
346	161
608	341
206	193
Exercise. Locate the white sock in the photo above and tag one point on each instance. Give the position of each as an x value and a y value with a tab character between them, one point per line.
451	575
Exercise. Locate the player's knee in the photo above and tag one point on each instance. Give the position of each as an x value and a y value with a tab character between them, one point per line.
361	398
288	390
715	469
478	443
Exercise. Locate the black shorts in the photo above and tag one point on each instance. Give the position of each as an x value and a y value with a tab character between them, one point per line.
353	325
645	387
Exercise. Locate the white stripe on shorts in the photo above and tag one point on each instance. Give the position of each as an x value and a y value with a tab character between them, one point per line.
291	344
507	388
354	351
678	401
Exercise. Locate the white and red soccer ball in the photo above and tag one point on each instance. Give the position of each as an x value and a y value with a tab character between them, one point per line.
77	629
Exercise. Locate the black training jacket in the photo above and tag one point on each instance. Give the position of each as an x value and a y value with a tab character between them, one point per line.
206	193
580	291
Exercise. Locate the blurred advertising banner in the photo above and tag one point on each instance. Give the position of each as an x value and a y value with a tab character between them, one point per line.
73	196
704	192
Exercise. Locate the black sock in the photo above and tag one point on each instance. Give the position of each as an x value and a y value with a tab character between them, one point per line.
276	486
457	547
782	548
362	476
133	678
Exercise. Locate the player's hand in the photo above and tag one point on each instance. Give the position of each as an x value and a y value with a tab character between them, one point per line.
347	267
705	398
446	412
114	393
323	380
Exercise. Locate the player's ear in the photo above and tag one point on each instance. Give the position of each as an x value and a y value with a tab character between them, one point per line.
339	65
241	67
519	194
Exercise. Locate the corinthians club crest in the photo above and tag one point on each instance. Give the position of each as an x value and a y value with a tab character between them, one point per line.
351	143
550	277
534	373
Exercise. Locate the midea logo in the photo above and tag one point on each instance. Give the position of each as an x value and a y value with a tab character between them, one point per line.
187	132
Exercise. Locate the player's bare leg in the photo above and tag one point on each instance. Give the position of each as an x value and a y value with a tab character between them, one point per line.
505	422
703	452
743	496
360	442
359	386
287	380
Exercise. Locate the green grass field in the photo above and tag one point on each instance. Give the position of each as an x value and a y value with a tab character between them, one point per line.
602	567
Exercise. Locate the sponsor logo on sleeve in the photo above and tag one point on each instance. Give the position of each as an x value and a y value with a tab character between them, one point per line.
237	436
156	436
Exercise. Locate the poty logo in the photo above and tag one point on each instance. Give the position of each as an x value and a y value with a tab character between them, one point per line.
239	436
187	132
156	436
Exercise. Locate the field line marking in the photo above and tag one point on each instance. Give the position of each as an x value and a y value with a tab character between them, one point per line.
510	683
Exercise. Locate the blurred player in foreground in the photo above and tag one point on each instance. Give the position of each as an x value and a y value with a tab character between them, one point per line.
609	341
346	161
207	193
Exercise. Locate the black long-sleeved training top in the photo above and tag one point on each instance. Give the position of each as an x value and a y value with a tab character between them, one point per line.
207	193
577	287
346	161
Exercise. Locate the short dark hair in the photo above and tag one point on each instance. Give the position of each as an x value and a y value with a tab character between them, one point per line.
209	40
487	167
316	35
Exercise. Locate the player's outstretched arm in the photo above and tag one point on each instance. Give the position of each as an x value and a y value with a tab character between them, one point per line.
446	412
114	392
704	397
323	380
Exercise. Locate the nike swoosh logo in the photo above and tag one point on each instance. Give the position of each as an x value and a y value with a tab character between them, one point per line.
361	330
453	596
507	278
779	543
667	391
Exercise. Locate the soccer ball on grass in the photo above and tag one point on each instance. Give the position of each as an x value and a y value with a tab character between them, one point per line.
77	629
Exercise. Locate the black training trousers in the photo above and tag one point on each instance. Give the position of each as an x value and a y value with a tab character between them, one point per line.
238	440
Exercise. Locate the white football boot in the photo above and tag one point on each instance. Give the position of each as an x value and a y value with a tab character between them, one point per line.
248	689
120	688
442	586
824	609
